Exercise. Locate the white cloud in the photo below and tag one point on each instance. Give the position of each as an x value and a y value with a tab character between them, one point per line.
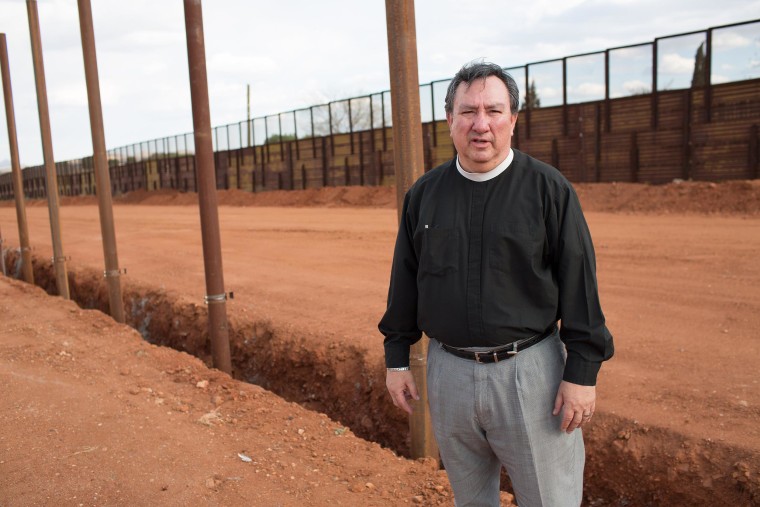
590	89
636	86
717	79
549	92
151	39
236	64
729	40
68	95
676	64
537	10
641	53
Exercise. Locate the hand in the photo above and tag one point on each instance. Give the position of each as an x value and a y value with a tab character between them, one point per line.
402	388
577	404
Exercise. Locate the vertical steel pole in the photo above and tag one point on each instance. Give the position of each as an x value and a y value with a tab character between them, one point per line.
432	116
2	255
295	134
248	112
216	297
708	74
607	114
654	84
100	162
329	117
372	116
564	97
279	130
313	134
18	184
59	260
351	126
528	103
409	162
385	134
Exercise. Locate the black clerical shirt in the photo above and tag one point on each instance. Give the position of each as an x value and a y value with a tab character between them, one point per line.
491	262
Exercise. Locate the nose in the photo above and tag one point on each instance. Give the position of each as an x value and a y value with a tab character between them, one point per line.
480	123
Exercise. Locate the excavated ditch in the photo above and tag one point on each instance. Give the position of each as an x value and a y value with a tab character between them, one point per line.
627	464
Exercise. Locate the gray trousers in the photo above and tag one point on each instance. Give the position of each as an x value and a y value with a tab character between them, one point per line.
488	415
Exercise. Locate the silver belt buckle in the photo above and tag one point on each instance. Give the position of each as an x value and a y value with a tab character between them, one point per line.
514	351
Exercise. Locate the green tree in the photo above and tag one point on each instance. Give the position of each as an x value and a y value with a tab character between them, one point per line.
698	78
276	138
532	99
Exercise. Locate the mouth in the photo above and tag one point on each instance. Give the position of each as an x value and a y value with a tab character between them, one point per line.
480	143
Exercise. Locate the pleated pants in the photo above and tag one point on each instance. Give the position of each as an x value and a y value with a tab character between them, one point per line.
488	415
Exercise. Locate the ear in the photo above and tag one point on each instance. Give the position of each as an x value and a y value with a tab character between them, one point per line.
449	119
513	122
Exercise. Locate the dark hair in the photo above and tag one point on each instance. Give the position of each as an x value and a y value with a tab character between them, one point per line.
476	70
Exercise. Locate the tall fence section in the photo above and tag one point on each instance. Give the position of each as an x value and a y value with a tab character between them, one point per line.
684	106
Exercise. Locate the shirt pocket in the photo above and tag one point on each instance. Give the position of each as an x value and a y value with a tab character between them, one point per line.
513	246
440	251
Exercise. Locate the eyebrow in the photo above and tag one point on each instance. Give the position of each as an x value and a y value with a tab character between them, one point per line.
500	105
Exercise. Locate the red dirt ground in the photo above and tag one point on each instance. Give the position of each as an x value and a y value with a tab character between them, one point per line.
92	414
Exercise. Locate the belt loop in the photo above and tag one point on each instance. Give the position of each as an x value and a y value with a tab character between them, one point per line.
514	349
477	358
495	357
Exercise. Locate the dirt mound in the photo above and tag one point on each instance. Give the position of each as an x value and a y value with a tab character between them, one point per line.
353	196
681	197
94	414
739	197
164	197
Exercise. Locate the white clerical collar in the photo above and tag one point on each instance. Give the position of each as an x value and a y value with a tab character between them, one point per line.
490	174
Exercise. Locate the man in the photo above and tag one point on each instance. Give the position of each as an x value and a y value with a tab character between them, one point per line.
492	251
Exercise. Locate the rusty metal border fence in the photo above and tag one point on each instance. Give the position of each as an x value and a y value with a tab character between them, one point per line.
704	131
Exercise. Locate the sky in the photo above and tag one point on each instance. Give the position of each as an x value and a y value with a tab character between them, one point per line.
297	53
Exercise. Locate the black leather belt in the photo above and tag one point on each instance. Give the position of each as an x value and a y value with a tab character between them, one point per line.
499	353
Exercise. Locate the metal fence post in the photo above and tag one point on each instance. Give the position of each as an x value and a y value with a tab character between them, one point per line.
51	176
313	134
330	125
607	115
18	184
564	97
432	116
409	161
708	74
212	251
528	106
100	162
351	126
654	85
279	130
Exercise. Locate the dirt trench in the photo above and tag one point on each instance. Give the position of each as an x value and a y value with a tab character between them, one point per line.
627	464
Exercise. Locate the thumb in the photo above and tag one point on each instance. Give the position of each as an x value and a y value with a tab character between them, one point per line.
558	401
412	386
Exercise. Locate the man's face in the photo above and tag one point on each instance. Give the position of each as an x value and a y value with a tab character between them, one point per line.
481	124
